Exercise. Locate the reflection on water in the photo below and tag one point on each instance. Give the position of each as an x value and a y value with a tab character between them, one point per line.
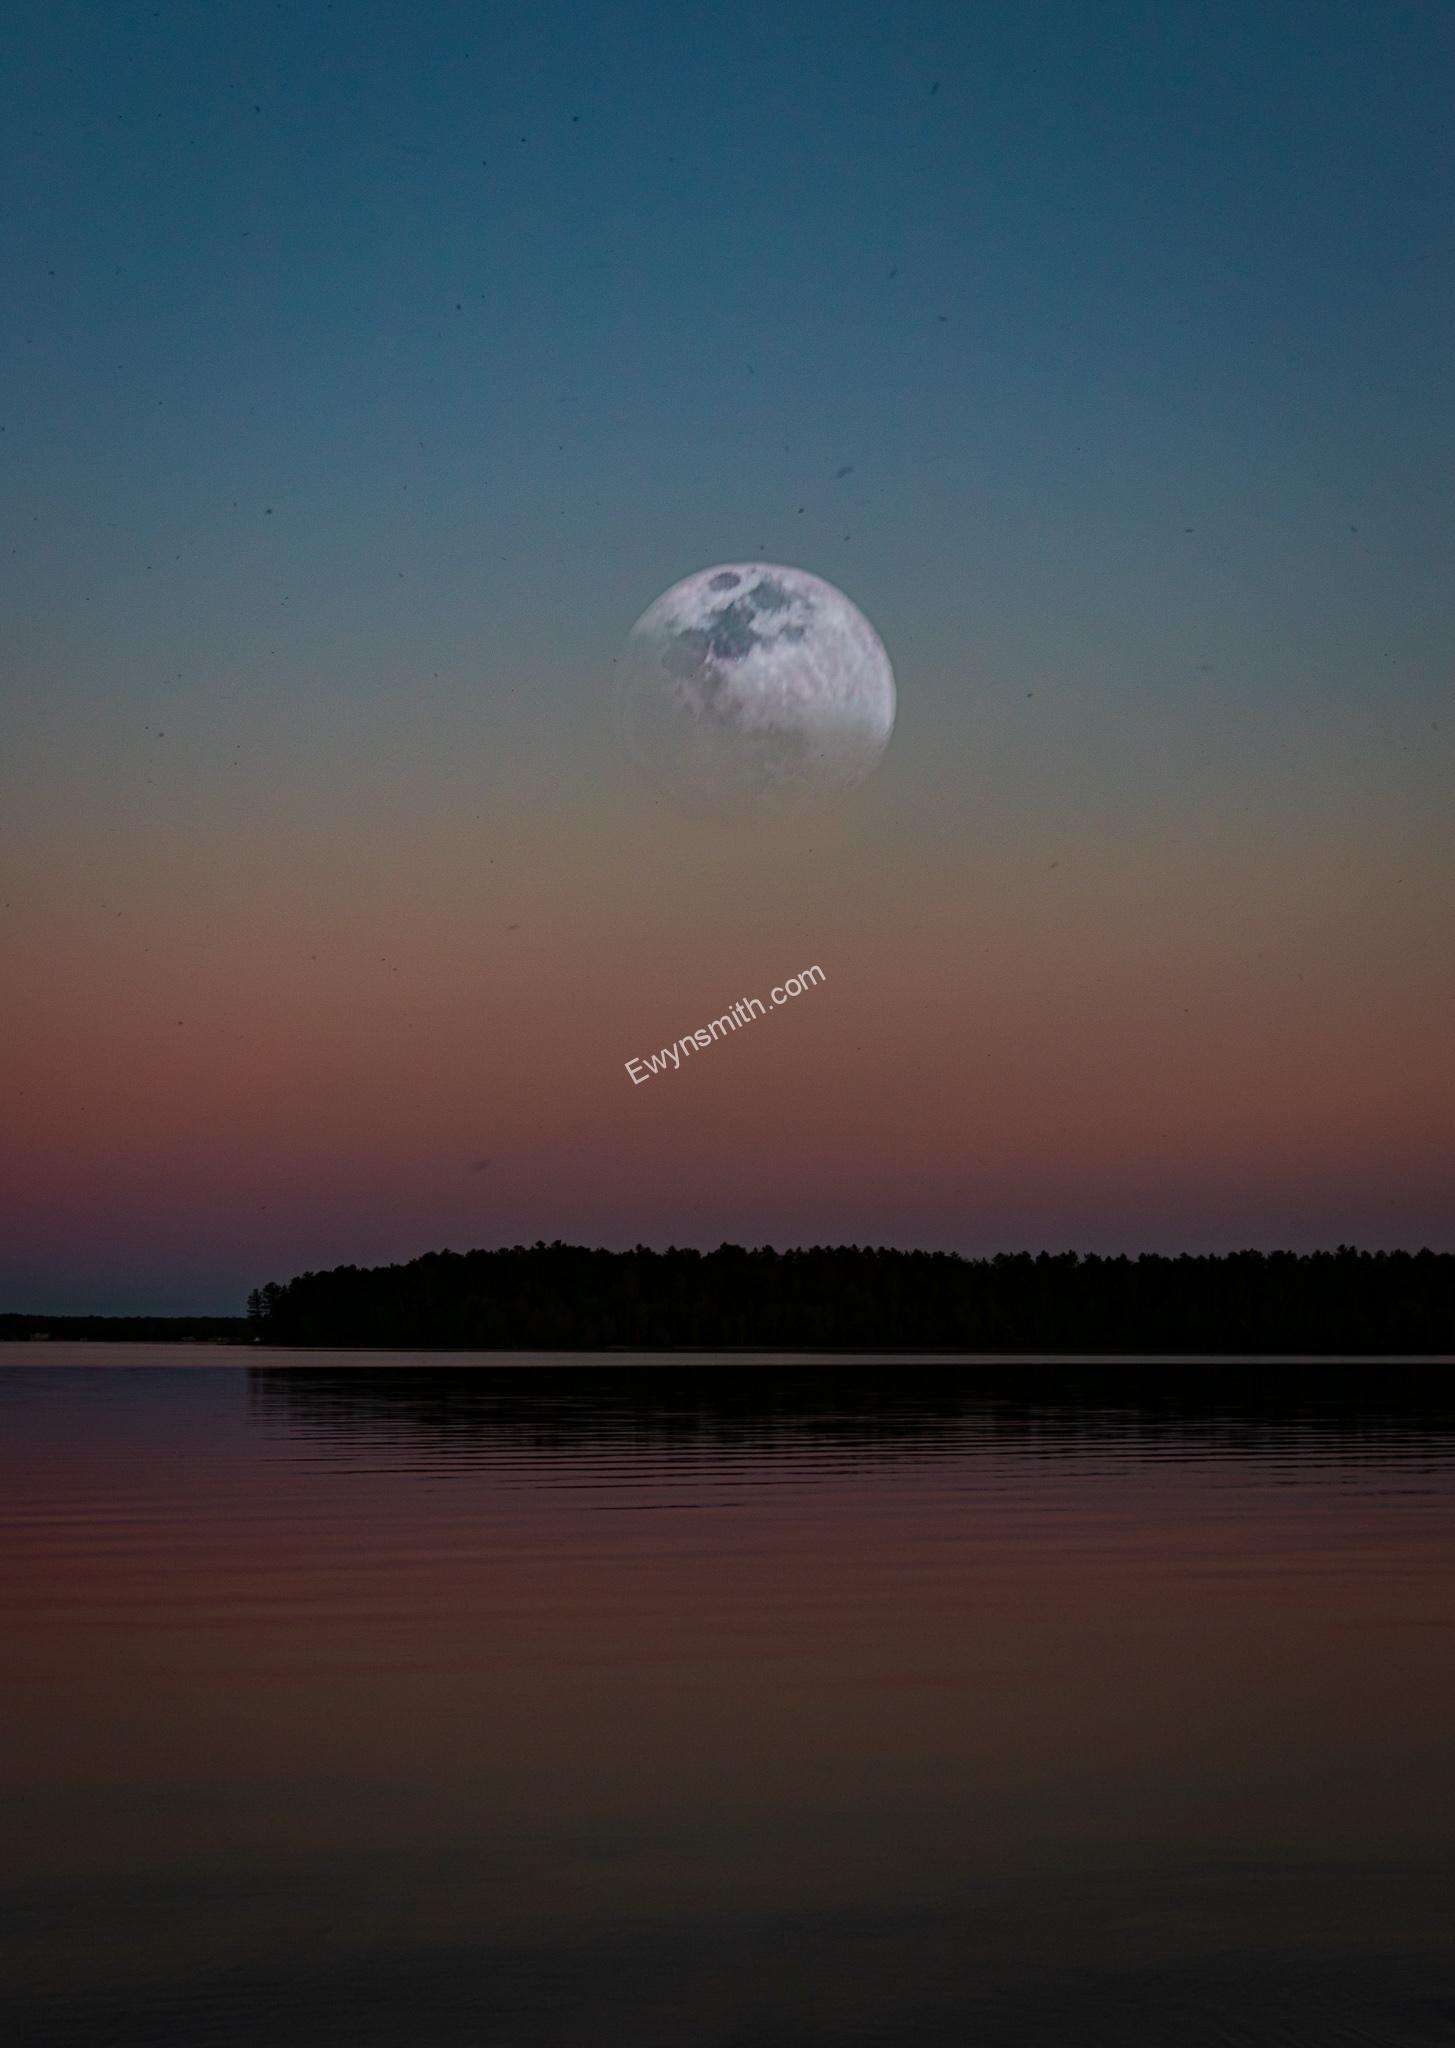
889	1410
821	1705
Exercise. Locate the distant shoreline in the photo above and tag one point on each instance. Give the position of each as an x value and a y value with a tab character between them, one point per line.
38	1351
18	1327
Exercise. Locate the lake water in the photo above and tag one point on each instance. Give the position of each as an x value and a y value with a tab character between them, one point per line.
724	1704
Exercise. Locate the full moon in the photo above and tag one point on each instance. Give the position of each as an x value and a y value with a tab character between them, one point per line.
751	682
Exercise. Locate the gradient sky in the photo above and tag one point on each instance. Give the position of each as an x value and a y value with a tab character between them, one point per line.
365	371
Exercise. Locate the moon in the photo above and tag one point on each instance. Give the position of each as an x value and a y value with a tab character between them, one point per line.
752	682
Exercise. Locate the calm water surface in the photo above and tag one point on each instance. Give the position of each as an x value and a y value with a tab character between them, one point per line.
725	1705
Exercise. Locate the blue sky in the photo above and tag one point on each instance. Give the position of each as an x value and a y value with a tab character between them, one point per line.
549	304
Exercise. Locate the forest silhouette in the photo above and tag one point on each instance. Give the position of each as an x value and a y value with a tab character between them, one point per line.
570	1297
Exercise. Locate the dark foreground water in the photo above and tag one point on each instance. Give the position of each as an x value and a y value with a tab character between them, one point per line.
729	1705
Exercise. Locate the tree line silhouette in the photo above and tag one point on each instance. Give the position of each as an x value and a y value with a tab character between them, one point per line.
570	1297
